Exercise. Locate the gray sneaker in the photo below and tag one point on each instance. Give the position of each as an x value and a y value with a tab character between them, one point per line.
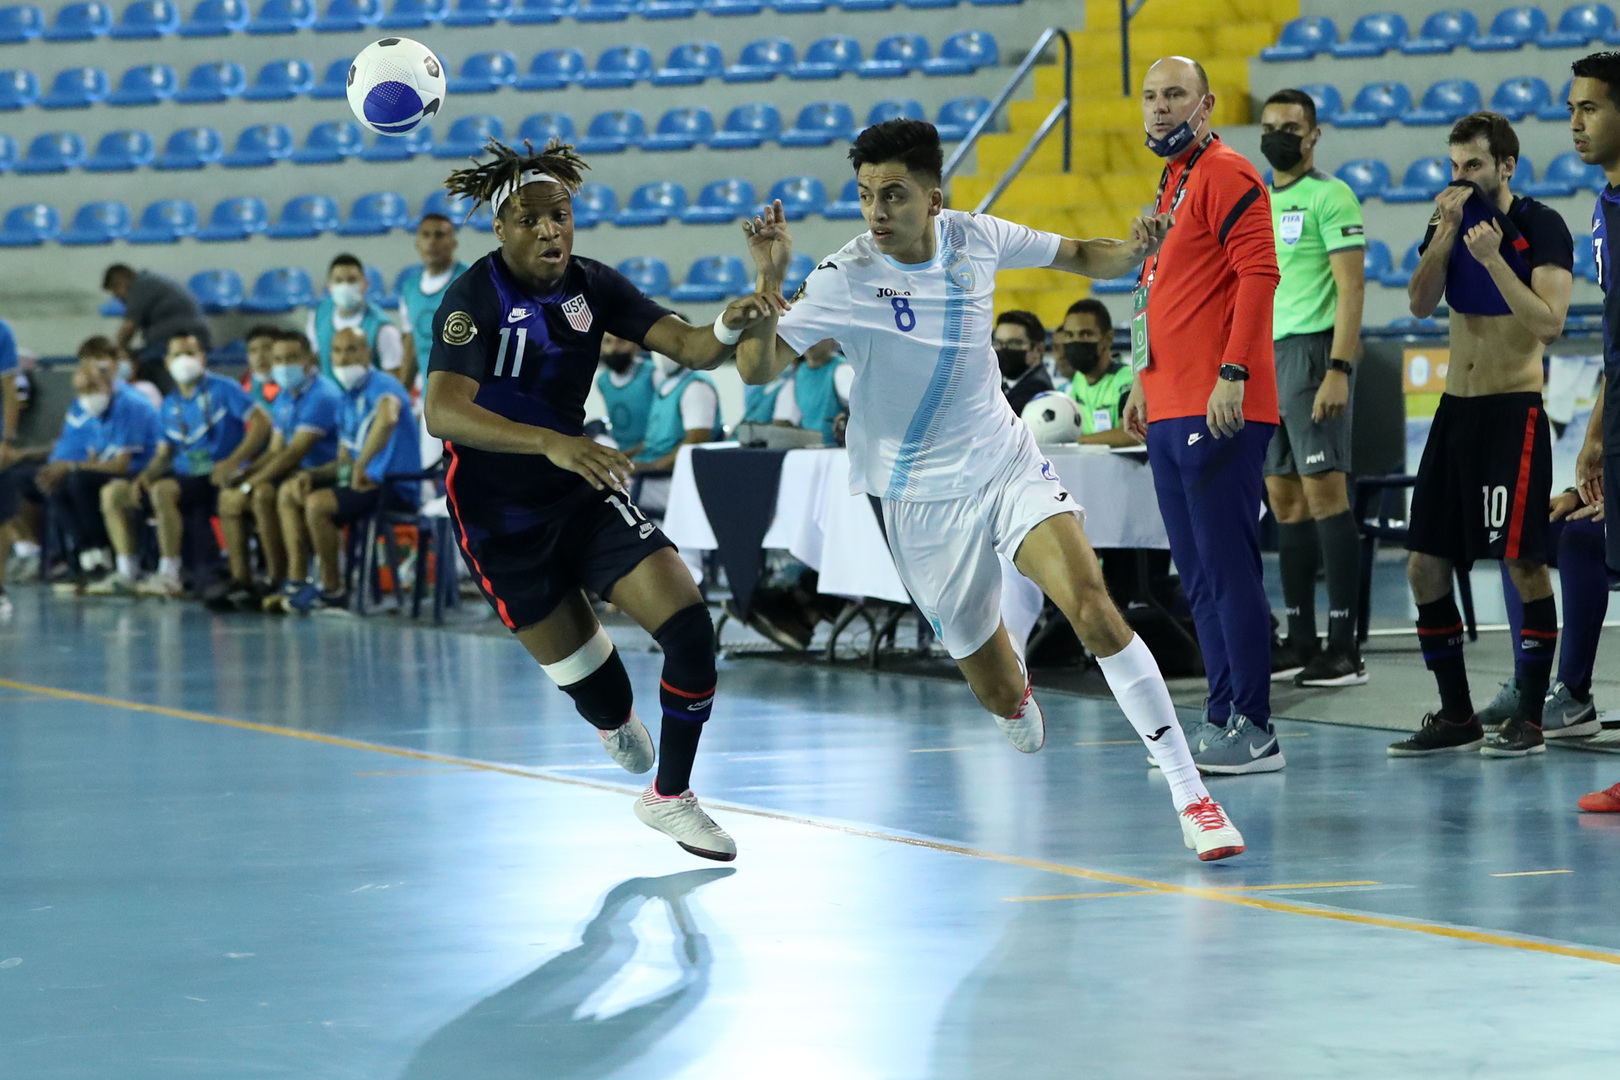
1199	733
1501	708
1242	748
1563	717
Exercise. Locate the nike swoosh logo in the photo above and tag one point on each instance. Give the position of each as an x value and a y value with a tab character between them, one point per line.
1194	437
1157	735
1256	751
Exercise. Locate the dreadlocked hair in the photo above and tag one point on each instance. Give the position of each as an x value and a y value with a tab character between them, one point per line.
480	183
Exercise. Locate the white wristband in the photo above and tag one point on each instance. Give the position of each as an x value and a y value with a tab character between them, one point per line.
725	334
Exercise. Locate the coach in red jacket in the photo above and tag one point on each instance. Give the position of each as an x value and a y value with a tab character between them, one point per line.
1205	401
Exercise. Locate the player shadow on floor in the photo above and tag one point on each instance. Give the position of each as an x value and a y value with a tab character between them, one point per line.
534	1030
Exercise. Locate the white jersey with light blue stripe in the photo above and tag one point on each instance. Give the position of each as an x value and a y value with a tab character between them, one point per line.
927	418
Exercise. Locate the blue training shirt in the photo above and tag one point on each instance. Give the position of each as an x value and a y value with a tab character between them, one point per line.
8	348
129	423
210	423
403	454
316	406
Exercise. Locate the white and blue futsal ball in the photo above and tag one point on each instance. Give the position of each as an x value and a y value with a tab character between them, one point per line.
1053	417
395	84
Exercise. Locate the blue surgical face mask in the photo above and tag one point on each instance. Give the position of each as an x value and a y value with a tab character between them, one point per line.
1181	136
288	376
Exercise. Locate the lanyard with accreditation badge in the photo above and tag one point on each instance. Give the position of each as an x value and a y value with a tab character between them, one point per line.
1140	356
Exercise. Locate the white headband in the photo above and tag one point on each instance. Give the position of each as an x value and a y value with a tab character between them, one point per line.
510	188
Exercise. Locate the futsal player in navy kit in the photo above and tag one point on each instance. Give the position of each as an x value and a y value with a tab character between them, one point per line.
540	509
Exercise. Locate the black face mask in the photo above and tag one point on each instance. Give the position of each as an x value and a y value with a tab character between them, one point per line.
1014	362
1082	356
618	362
1283	149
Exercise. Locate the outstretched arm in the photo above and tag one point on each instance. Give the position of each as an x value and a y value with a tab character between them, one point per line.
696	346
1103	259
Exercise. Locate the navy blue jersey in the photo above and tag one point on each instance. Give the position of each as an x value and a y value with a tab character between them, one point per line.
1533	234
1606	219
535	356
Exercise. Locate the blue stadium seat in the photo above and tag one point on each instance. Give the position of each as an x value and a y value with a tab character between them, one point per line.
52	152
145	19
761	61
668	9
895	57
1375	260
1328	102
821	124
1585	258
455	208
305	216
1367	177
344	16
414	14
282	17
594	204
690	64
1579	25
279	291
1116	286
532	12
468	136
1372	35
330	142
652	204
375	214
167	221
613	132
97	223
597	11
799	267
1442	32
76	88
1565	175
713	279
958	115
1511	29
1376	104
478	12
8	152
145	85
260	146
122	151
828	58
1524	171
191	148
801	196
865	5
30	225
651	276
419	140
1302	39
963	53
1396	277
80	22
848	205
217	291
335	83
681	129
21	23
281	80
895	109
484	73
799	7
1557	108
235	219
1518	98
996	3
18	90
1446	102
215	18
1423	181
377	290
914	4
620	66
219	81
721	201
541	127
747	126
553	70
724	8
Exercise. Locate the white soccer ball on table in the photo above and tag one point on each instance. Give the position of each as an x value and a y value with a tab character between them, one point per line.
1054	418
395	84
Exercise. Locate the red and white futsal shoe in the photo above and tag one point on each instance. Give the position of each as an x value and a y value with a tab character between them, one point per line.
1206	829
1606	801
680	818
1026	728
630	745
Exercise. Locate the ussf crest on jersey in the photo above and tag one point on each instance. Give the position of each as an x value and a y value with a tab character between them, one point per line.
578	313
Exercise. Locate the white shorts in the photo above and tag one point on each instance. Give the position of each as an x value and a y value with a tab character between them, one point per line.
946	550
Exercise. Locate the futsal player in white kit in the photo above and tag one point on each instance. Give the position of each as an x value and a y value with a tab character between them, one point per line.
911	302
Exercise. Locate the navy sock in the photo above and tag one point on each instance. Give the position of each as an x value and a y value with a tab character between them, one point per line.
1341	556
1297	551
1440	631
1515	617
686	693
1538	639
1585	589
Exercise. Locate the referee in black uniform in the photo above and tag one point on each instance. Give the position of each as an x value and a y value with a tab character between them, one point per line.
539	508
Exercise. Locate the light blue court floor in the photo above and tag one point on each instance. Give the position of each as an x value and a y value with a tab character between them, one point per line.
242	848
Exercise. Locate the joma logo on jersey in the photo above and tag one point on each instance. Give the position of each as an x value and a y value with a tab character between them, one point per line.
884	294
578	313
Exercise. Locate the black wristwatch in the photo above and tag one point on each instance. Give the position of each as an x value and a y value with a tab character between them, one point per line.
1234	373
1340	365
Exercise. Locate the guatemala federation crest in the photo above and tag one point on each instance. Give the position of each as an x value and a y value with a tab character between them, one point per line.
578	313
1290	226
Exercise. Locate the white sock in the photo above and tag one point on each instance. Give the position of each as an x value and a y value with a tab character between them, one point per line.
94	559
24	548
169	567
1133	676
128	567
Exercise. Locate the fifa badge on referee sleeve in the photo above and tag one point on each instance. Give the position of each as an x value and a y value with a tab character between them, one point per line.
1140	357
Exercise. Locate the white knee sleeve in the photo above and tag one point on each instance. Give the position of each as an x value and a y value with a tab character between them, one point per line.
582	662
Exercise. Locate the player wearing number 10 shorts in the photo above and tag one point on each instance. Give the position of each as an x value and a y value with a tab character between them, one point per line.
930	434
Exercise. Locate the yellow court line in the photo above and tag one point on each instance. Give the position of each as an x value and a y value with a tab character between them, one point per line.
1224	896
1533	873
941	749
1088	895
414	772
1222	888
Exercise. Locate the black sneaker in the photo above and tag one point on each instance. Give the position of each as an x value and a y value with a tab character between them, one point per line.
1288	659
1518	738
1332	668
1441	736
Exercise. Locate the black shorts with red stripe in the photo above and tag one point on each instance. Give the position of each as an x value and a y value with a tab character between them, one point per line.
1483	488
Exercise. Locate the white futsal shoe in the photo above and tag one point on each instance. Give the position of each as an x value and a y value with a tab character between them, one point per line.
1026	728
680	818
630	745
1206	829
